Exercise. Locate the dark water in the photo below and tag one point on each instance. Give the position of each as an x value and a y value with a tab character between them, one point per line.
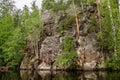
59	75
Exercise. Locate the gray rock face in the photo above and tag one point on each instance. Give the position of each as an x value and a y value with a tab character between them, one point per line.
88	52
50	47
47	17
89	55
59	15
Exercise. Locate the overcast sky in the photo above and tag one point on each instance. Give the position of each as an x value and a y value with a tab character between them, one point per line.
20	3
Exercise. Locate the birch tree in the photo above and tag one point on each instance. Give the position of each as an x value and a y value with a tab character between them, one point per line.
119	9
119	5
112	24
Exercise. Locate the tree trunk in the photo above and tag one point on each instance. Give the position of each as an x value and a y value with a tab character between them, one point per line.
76	18
98	14
119	9
36	50
119	5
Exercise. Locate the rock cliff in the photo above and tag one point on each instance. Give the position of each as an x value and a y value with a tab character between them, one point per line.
86	44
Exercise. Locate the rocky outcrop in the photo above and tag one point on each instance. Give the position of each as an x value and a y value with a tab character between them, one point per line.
50	48
89	55
88	52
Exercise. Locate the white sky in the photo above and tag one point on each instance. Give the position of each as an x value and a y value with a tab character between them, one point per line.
20	3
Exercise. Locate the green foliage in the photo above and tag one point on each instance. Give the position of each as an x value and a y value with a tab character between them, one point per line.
67	59
45	4
63	24
90	1
6	7
113	75
11	40
67	43
15	28
61	5
93	21
10	75
12	48
111	35
55	5
32	23
113	63
68	56
31	20
99	35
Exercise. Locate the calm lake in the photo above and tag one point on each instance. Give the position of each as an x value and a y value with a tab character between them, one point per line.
59	75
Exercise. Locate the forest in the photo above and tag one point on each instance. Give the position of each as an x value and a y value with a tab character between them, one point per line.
79	34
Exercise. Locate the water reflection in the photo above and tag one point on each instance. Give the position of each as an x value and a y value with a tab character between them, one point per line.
59	75
10	75
29	75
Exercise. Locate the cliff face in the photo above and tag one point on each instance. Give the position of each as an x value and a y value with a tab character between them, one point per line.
89	56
